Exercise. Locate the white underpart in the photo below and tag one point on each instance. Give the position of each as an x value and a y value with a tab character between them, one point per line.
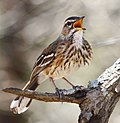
78	39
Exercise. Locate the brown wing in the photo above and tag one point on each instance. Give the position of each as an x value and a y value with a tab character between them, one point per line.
46	57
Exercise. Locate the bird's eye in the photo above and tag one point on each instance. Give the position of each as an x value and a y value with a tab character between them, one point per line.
69	23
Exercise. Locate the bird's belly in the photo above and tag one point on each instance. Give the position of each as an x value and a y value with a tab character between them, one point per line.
65	68
63	72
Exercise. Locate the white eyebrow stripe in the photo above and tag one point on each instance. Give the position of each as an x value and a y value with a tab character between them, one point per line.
69	21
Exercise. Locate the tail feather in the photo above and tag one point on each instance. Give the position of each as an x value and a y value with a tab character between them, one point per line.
20	104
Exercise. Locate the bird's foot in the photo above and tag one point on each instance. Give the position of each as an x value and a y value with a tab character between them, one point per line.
59	92
78	88
80	91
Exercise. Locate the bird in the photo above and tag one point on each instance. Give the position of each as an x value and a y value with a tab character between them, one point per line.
62	57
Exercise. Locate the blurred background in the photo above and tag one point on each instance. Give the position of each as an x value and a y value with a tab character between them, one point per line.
28	26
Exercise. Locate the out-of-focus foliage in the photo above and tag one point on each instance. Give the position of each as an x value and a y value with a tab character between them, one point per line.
28	26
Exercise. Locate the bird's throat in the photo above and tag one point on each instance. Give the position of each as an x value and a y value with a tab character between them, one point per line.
78	38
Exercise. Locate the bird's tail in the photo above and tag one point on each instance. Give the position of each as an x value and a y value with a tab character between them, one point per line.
20	104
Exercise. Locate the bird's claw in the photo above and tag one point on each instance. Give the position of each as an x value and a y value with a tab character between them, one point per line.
79	91
59	93
78	88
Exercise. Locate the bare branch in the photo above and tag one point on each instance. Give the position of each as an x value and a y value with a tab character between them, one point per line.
71	95
96	102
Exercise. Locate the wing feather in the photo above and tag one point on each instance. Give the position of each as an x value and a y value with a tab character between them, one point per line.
46	57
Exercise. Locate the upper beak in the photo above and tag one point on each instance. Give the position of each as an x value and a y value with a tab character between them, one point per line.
78	24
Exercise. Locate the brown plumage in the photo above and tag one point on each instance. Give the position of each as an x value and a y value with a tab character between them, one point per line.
59	59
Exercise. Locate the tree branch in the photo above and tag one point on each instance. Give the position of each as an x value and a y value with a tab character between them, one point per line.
96	102
102	97
71	95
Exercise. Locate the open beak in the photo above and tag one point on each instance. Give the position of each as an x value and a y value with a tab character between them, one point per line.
78	24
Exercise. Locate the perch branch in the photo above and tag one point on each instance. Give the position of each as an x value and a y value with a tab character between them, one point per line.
96	102
71	95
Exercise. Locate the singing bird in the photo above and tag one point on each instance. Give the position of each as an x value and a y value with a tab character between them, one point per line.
62	57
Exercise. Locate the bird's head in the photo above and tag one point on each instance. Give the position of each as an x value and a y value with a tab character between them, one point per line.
72	25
